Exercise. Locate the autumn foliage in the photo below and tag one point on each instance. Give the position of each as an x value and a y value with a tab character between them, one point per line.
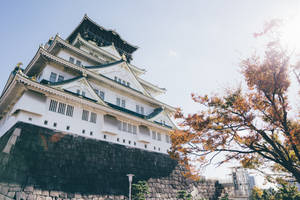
254	125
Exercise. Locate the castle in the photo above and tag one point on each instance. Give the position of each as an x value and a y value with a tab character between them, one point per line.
86	85
79	118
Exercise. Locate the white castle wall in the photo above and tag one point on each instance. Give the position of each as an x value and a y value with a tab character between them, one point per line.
45	74
66	55
34	109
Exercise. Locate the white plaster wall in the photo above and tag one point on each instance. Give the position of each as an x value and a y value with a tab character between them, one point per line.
45	74
111	96
66	55
31	102
162	117
120	72
77	124
73	87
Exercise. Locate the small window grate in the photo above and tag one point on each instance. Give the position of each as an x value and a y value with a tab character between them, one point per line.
61	108
93	117
70	110
85	115
53	105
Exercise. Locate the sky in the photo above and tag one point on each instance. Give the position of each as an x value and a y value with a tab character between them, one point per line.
185	46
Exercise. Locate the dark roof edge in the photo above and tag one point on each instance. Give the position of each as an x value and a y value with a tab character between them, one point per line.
85	17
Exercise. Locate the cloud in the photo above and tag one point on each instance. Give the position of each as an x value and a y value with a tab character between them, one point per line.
172	53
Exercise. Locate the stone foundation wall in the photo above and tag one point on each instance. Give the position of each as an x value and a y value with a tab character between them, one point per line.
37	163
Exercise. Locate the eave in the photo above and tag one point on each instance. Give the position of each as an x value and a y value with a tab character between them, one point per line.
155	88
95	76
114	35
20	81
59	41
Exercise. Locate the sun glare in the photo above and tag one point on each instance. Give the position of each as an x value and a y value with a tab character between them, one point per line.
290	33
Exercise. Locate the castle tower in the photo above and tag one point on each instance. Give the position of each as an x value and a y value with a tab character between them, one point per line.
86	86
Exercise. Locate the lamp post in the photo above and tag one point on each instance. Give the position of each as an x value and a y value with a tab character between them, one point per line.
130	181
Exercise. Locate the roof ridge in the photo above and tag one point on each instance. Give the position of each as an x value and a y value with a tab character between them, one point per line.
104	65
66	81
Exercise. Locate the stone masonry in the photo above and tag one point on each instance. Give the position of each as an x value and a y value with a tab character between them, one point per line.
46	165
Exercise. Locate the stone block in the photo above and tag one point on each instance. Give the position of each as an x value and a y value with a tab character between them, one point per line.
28	189
21	195
11	194
31	197
45	193
37	192
77	196
54	193
4	190
63	195
15	189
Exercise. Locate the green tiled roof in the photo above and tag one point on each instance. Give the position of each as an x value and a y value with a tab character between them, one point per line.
155	112
104	65
65	81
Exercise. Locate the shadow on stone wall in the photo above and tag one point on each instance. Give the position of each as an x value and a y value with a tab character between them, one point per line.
54	161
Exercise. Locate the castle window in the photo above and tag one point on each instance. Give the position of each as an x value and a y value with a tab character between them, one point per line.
119	125
101	94
60	78
153	135
54	124
30	119
71	59
145	146
142	110
124	140
134	143
118	102
78	91
91	133
61	108
123	103
83	131
116	78
129	128
68	127
158	136
129	142
144	130
134	128
123	82
104	136
85	115
167	138
83	93
78	62
124	126
118	139
53	77
70	110
96	91
128	84
137	108
93	117
119	80
53	106
45	122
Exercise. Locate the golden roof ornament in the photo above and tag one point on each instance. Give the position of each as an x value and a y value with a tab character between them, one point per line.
19	64
124	57
33	78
